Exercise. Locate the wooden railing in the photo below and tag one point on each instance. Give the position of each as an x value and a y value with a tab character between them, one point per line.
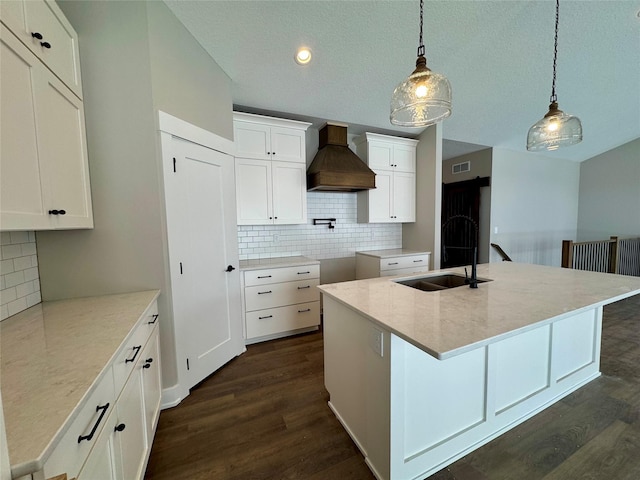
616	255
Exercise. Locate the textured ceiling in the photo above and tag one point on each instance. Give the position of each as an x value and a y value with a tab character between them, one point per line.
497	55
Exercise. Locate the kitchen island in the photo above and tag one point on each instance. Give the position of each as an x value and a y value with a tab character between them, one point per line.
418	379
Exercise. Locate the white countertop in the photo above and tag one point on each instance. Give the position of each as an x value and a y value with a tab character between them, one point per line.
450	322
392	252
51	356
275	262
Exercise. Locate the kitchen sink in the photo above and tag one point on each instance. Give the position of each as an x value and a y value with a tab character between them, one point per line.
436	283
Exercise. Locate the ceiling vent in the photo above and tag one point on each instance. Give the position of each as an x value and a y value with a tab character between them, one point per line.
461	167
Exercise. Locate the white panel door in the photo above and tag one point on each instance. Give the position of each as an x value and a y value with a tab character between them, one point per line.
287	145
404	197
252	140
254	196
380	198
380	155
289	192
130	436
203	243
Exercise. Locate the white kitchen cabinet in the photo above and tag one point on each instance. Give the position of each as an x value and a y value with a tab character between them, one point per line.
280	300
269	138
44	173
43	28
271	186
393	160
117	422
384	263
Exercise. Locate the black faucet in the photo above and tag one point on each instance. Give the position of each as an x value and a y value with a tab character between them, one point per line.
473	281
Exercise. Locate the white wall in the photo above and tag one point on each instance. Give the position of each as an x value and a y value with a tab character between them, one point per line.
609	201
534	205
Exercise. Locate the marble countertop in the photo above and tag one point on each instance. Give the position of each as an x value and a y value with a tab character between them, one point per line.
392	252
261	263
51	356
450	322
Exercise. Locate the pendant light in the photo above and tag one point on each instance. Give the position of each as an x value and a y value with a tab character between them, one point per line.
424	98
556	129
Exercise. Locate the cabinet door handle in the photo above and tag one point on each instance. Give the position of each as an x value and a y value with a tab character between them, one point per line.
57	212
146	365
304	273
305	310
417	261
302	288
265	276
266	316
155	319
263	293
137	350
45	44
230	268
119	427
95	426
36	35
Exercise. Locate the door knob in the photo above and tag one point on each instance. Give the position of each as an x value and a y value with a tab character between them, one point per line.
230	269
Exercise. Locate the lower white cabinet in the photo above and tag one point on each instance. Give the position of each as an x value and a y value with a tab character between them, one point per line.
280	301
111	437
384	263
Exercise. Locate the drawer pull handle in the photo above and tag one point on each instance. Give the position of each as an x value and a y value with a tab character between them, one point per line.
304	273
95	426
392	263
155	318
36	35
262	293
146	365
45	44
305	310
137	350
119	427
266	316
417	261
302	288
265	276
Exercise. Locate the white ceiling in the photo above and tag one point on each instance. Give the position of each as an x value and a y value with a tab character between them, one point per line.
497	55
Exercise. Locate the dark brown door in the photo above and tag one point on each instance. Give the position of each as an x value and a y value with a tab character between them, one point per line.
459	236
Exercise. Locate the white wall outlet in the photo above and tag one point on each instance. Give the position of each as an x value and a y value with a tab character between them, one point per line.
375	340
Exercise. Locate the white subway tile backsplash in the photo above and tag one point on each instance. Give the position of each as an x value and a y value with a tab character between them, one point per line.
318	241
19	278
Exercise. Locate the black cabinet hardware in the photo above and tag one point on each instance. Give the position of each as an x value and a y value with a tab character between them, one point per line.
36	35
417	261
146	365
305	310
392	263
265	276
57	212
266	316
262	293
230	268
95	426
120	427
302	288
303	273
154	319
149	360
45	44
137	350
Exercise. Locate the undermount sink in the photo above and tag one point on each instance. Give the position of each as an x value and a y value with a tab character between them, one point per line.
436	283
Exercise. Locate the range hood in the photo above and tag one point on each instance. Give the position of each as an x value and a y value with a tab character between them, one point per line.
335	168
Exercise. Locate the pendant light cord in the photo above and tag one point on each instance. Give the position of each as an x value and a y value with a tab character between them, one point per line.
555	55
420	44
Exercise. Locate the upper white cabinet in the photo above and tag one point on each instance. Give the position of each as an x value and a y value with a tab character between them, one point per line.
43	28
393	160
271	186
44	173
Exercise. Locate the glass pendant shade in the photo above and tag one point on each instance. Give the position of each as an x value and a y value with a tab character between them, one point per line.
556	129
424	98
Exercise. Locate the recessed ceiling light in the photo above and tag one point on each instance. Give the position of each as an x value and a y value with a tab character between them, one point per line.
303	56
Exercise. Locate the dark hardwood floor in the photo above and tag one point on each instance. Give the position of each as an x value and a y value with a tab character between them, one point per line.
265	416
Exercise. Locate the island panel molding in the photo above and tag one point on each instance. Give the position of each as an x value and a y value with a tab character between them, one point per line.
413	407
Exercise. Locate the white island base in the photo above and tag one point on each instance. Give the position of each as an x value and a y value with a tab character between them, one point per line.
411	414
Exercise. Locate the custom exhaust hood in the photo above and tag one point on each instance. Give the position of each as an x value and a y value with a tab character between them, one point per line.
335	168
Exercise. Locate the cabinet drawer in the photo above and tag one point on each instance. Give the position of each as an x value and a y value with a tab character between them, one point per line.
131	351
395	263
282	319
70	453
277	275
279	294
405	271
